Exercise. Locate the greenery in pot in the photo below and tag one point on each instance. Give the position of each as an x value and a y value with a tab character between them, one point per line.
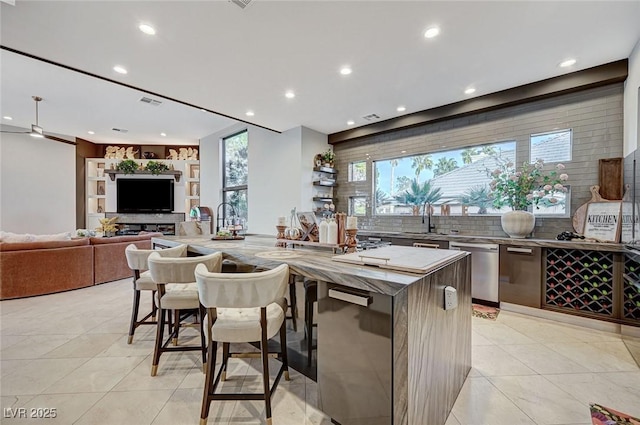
530	185
328	156
156	167
127	166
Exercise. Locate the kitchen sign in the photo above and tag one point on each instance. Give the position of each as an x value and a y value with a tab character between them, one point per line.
603	221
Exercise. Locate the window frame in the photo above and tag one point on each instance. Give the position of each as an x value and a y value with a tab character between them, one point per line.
532	135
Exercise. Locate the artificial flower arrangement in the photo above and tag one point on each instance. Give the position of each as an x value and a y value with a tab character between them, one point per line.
107	225
530	185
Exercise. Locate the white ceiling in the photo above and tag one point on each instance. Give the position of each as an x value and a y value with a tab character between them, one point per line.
215	55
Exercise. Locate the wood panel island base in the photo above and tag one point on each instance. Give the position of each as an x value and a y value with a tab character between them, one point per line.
388	351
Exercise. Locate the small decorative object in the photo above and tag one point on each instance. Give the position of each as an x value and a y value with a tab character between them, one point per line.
99	209
518	189
317	160
183	154
192	154
293	232
280	235
603	221
196	173
120	153
110	152
129	153
107	226
156	167
351	240
100	172
127	166
173	154
195	189
100	188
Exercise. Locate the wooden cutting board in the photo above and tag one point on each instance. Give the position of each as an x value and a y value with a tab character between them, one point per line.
581	213
401	258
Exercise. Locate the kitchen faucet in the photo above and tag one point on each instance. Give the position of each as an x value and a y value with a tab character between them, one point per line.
427	207
220	219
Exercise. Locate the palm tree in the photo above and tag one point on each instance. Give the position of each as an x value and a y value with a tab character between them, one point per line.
421	163
402	183
418	194
467	154
477	196
444	165
394	164
382	197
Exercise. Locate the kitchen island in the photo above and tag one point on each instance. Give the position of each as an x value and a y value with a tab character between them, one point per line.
408	357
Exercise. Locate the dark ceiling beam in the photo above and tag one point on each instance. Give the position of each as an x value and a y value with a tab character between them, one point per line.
614	72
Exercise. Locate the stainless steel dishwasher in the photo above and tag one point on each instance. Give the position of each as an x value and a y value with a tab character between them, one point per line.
485	270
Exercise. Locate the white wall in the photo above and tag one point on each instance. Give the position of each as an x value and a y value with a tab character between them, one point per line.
37	184
631	106
280	166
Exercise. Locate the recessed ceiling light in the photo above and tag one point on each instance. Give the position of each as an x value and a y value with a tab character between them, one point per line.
432	32
401	109
119	69
567	63
403	151
147	29
470	90
91	132
290	94
350	122
8	118
163	134
250	113
203	110
345	70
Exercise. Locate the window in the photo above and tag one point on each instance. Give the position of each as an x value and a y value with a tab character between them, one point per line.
456	178
551	147
358	205
235	176
358	171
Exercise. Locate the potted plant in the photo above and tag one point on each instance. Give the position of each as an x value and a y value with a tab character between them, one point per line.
156	167
327	157
107	226
517	189
127	166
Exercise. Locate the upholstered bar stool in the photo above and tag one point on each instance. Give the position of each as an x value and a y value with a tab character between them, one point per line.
177	292
137	261
243	307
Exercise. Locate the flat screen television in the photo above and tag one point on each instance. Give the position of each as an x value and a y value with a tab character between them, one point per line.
145	195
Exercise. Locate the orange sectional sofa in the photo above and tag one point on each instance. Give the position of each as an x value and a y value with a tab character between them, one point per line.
38	268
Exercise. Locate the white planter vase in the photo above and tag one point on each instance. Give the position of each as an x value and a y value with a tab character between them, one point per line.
518	224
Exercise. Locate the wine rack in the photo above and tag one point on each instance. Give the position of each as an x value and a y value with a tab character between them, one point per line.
580	280
631	287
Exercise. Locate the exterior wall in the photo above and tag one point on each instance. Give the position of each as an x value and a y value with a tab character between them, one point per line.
595	115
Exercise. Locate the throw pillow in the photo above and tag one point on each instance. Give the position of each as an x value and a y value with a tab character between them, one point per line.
16	237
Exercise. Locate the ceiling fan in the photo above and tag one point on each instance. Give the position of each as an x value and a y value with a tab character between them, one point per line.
36	130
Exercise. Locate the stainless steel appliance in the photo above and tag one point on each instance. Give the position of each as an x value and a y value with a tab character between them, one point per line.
485	269
354	355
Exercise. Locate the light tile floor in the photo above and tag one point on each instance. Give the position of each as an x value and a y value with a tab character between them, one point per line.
68	351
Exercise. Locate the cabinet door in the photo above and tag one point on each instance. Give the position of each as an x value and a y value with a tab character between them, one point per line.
521	275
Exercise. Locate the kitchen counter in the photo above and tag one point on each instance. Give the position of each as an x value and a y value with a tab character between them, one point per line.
544	243
400	358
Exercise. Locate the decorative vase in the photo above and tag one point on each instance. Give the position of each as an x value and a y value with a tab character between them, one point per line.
518	224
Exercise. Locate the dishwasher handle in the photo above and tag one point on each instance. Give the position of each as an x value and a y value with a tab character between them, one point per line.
483	246
363	300
520	250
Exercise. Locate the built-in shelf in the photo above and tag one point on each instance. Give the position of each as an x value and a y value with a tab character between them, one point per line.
327	184
326	170
176	173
